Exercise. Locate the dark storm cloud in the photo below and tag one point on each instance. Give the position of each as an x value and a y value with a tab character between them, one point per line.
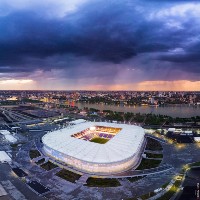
102	31
180	58
109	32
102	35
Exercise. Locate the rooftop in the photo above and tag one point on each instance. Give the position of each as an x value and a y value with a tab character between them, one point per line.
119	148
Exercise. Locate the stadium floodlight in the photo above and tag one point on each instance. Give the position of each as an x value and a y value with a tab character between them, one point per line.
92	128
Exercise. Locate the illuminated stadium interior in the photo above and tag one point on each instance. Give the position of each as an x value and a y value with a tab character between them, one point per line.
90	134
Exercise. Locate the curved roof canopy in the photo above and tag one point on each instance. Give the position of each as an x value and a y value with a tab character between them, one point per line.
122	146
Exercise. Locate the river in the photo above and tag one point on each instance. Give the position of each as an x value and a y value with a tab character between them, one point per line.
170	110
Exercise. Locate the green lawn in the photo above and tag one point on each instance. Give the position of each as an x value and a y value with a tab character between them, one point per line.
40	161
165	185
136	178
34	154
153	145
195	164
68	175
148	164
147	196
48	166
171	192
14	146
99	140
150	155
102	182
135	198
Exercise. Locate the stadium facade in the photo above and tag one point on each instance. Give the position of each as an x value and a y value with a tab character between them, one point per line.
73	147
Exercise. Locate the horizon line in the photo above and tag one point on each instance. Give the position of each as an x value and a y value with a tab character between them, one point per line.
104	90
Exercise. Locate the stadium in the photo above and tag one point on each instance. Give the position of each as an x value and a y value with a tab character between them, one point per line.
96	147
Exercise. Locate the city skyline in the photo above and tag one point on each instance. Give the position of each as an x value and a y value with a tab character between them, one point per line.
100	45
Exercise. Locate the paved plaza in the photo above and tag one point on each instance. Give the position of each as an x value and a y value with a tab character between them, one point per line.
175	156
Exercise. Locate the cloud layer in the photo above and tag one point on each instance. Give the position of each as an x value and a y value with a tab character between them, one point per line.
87	42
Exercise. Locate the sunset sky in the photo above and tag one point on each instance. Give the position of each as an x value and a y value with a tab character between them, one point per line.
100	44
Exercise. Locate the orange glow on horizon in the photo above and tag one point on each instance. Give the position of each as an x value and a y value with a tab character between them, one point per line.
180	85
15	81
28	84
17	84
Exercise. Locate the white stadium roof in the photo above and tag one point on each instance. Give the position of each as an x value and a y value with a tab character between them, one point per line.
78	121
122	146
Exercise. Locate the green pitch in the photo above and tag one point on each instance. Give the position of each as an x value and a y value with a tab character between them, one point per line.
99	140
